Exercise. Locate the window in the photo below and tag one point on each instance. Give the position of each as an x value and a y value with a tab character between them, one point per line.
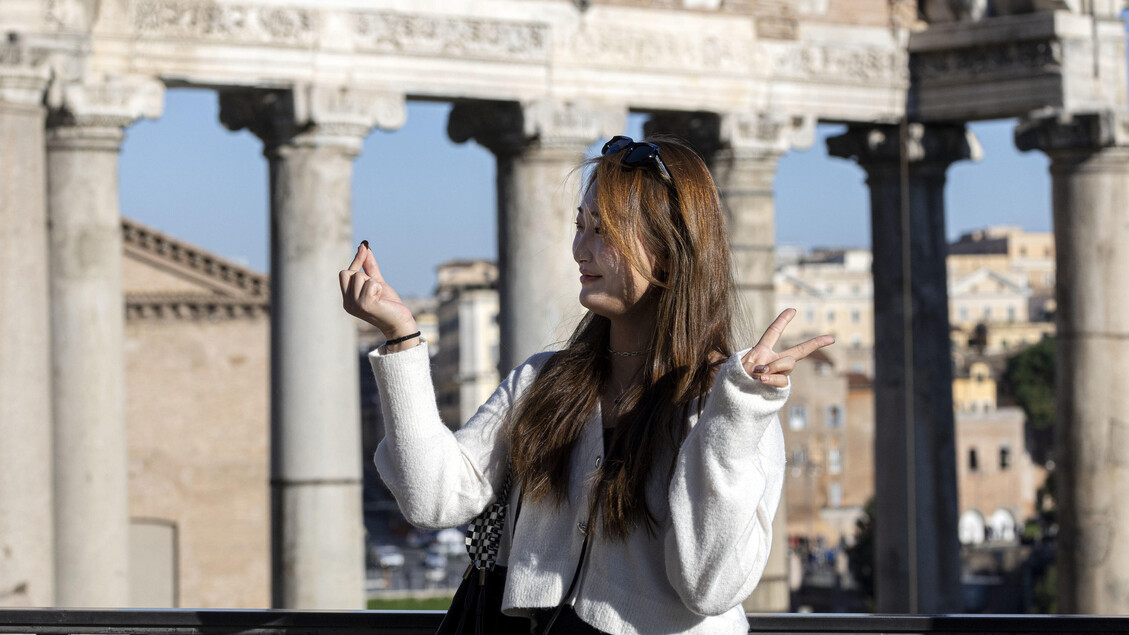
834	417
810	315
987	312
964	313
856	341
855	289
973	463
831	315
1005	457
834	461
855	316
1011	314
834	495
799	457
797	417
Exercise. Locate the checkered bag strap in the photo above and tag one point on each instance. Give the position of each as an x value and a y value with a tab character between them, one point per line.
484	535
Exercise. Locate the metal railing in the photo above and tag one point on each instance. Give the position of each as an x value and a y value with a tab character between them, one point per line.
273	622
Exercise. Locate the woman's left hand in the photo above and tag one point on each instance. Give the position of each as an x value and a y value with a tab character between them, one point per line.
771	367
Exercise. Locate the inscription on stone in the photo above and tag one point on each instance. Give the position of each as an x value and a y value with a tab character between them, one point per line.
839	64
237	23
663	51
383	32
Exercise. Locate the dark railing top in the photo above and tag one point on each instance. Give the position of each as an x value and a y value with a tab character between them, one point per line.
278	622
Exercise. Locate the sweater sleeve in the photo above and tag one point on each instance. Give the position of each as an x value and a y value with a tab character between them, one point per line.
724	492
440	478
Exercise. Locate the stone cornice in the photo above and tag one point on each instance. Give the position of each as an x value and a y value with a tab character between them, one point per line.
193	306
226	278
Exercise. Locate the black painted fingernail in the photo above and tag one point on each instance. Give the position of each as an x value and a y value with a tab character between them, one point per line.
364	243
760	369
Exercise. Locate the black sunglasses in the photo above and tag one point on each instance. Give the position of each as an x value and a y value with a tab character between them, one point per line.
638	153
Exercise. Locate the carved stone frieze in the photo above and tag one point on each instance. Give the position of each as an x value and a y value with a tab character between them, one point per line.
641	49
69	15
211	20
510	127
111	102
986	62
450	36
757	134
838	63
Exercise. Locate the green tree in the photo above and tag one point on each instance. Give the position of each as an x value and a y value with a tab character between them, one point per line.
1030	380
860	556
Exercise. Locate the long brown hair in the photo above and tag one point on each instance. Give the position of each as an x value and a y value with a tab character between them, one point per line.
682	227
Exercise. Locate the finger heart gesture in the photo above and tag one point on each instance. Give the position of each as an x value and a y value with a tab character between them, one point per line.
773	368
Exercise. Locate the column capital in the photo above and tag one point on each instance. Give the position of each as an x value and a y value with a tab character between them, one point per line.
93	115
879	145
24	75
1068	132
312	114
737	135
112	102
507	128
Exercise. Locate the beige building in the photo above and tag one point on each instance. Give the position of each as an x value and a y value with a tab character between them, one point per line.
466	365
827	452
832	292
996	476
197	386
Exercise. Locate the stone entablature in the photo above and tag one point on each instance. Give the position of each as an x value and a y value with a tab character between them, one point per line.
787	57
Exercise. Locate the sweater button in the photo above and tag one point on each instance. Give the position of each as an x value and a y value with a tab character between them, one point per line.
598	461
583	527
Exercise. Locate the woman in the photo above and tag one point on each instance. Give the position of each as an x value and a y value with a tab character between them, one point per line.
649	456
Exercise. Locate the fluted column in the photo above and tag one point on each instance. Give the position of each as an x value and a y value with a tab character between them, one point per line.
84	138
1090	191
311	136
27	563
743	150
538	147
917	554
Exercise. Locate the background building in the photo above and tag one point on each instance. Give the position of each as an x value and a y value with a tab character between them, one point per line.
197	335
466	366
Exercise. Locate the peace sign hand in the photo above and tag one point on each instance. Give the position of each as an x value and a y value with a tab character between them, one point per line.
772	368
366	295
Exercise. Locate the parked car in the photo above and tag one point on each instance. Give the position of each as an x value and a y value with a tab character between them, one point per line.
388	556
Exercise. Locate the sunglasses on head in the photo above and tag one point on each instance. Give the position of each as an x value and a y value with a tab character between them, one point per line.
638	153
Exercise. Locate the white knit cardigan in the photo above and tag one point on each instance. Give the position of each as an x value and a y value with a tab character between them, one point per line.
714	515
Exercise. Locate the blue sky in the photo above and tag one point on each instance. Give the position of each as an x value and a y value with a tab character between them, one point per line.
420	199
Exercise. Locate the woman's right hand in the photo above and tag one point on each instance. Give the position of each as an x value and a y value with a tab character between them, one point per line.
366	295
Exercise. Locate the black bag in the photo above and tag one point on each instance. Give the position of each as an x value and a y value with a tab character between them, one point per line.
476	608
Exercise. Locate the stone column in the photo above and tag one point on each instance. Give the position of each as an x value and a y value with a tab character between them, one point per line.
84	135
1090	187
538	148
311	136
27	563
917	554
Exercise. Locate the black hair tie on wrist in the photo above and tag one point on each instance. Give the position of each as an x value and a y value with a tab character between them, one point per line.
403	339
